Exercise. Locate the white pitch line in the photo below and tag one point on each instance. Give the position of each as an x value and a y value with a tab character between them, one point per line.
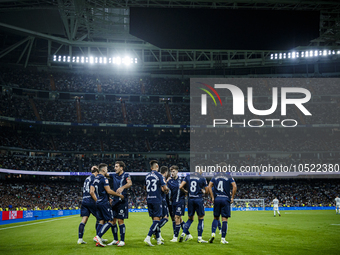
335	224
38	222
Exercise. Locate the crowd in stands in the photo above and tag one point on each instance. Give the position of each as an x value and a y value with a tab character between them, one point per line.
68	195
93	83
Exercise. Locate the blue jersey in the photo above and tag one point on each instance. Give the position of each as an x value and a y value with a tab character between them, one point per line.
195	183
176	194
87	199
153	182
119	181
163	194
222	185
99	183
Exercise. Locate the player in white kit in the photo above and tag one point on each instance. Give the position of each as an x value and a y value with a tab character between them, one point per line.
337	205
276	207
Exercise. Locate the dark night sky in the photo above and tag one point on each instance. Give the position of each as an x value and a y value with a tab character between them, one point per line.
224	29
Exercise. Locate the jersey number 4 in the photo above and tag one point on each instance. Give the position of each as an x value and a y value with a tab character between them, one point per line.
220	186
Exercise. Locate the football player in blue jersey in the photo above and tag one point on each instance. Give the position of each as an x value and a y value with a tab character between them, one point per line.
121	182
196	185
100	191
88	205
154	185
178	202
165	210
222	183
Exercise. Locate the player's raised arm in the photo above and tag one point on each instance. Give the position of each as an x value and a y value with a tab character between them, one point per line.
233	192
181	187
126	186
211	184
111	192
93	195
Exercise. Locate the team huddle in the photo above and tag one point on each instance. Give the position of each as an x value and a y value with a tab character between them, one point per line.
166	196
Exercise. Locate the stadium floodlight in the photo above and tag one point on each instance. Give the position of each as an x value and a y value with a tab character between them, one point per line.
86	59
325	52
315	53
68	59
311	53
271	56
333	52
284	55
293	54
338	52
118	61
77	59
289	54
126	61
96	60
91	60
100	60
306	54
73	59
320	52
59	58
297	54
110	60
64	58
113	60
135	60
275	55
302	54
104	60
329	52
82	59
54	58
280	56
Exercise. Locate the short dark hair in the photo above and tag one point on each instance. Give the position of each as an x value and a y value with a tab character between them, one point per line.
174	167
121	164
164	169
94	169
153	162
101	166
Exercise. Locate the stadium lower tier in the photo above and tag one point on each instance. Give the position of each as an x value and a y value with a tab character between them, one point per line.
33	193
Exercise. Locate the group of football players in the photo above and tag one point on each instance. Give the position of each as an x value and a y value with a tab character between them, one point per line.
166	196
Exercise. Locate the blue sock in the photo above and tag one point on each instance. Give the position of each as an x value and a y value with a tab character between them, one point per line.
96	226
182	226
153	227
105	228
163	222
200	227
122	232
219	225
99	226
186	227
174	226
81	230
224	228
178	228
214	226
115	232
158	232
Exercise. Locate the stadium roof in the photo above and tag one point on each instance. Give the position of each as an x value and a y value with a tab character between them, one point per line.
100	26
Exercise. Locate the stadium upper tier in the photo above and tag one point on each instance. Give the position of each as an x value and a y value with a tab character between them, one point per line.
116	112
123	84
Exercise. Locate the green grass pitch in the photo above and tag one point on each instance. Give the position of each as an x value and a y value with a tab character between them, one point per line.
296	232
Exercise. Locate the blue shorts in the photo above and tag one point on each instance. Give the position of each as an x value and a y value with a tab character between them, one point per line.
155	209
165	210
221	207
195	205
120	209
87	209
104	212
179	208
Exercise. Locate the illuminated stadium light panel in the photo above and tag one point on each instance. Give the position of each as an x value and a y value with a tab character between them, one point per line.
303	54
95	60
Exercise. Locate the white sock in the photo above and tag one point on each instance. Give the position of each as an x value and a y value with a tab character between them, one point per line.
147	238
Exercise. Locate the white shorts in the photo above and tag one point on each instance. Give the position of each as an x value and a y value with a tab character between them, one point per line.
337	206
276	208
